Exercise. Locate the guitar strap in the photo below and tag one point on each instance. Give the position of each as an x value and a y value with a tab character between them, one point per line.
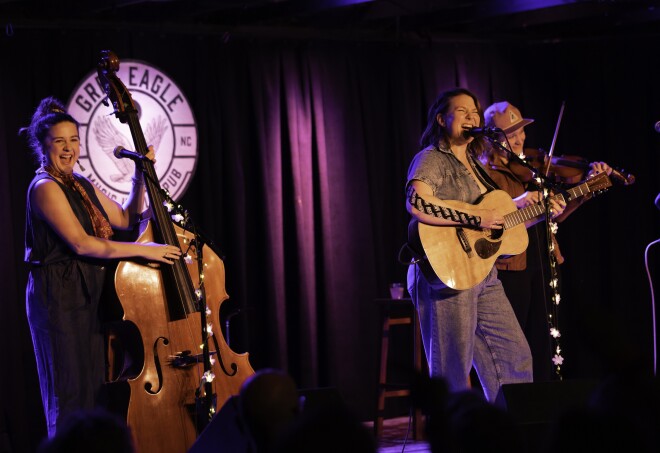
482	174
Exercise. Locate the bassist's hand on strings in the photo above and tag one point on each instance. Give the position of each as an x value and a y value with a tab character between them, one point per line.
162	253
151	154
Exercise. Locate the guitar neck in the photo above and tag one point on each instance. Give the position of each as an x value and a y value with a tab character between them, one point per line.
531	212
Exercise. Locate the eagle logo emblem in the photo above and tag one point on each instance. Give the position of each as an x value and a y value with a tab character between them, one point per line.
166	119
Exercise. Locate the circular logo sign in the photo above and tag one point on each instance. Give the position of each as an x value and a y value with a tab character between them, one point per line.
167	123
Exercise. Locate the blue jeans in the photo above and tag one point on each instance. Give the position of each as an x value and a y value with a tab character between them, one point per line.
474	327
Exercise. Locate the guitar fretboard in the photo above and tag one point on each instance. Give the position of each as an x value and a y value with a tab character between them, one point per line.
530	212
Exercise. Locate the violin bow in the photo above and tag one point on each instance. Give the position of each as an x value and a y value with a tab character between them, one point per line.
554	139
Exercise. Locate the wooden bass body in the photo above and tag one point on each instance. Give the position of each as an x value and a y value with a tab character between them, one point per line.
161	410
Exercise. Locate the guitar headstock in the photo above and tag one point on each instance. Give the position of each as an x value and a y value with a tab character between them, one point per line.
114	88
598	183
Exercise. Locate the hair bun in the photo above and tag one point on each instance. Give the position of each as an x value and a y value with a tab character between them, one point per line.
50	111
50	105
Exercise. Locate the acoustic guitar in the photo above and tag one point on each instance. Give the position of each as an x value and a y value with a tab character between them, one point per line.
461	257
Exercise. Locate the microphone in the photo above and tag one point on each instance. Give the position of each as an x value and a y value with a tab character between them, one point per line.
120	153
479	131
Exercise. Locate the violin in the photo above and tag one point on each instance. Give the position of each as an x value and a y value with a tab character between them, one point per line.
567	169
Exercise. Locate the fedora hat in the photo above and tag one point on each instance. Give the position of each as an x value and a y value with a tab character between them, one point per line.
505	116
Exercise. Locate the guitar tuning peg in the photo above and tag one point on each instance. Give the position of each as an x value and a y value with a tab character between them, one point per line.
105	102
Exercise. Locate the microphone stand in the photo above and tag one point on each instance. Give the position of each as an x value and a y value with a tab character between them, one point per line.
540	178
648	273
547	186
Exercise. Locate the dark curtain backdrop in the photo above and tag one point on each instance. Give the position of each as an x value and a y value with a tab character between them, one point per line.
303	152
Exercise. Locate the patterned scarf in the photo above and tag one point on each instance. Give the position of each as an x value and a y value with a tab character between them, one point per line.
102	228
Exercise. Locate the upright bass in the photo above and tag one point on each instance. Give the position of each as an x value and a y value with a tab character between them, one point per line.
187	369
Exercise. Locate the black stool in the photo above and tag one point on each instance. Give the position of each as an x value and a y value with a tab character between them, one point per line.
396	312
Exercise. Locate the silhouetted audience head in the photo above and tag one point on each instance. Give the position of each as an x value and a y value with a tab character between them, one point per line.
479	426
90	431
623	414
268	402
430	395
463	421
327	428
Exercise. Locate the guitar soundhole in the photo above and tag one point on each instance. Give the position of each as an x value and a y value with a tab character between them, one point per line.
486	249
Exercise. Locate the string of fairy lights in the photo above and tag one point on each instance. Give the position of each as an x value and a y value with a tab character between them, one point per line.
553	311
180	216
555	296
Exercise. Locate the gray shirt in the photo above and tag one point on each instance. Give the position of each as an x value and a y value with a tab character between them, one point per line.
448	178
446	175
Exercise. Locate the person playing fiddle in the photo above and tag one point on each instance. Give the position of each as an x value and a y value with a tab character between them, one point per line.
69	225
526	277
